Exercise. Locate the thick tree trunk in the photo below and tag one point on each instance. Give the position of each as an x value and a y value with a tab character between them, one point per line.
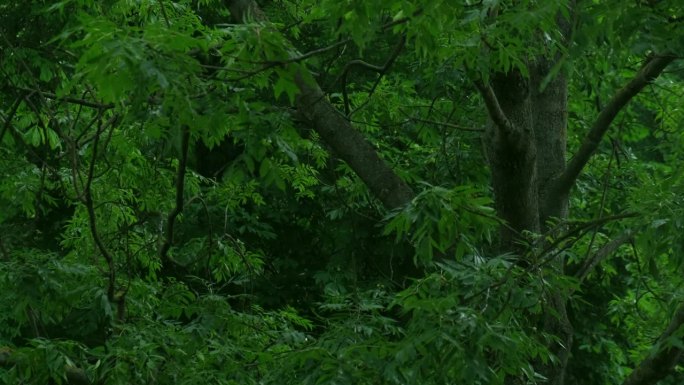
547	133
526	149
511	152
550	111
525	154
549	108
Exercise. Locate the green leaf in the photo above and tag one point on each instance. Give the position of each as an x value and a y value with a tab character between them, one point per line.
285	84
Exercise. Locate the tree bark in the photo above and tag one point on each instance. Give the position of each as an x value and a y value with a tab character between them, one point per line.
660	363
526	144
351	146
337	131
511	152
550	111
550	121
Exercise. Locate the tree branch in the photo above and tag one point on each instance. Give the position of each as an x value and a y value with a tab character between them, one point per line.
653	67
69	99
578	231
607	249
494	108
351	146
266	65
180	188
443	124
381	70
90	208
309	54
337	131
665	355
9	117
252	11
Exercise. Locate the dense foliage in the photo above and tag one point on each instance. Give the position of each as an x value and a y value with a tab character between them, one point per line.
181	204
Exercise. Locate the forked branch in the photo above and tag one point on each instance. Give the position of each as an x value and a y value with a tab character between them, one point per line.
381	70
496	113
653	67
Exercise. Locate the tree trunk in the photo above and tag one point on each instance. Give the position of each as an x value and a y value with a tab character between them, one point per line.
524	158
526	149
511	152
549	108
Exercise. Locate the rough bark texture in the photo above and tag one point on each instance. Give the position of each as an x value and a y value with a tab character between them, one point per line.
511	152
243	10
549	106
526	152
550	112
351	146
556	181
337	131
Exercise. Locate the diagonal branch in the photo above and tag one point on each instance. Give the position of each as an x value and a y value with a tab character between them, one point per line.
351	146
496	113
665	355
603	253
336	130
9	117
653	67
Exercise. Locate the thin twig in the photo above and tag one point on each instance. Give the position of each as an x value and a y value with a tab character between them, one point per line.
180	187
443	124
69	99
266	65
88	202
381	70
8	118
